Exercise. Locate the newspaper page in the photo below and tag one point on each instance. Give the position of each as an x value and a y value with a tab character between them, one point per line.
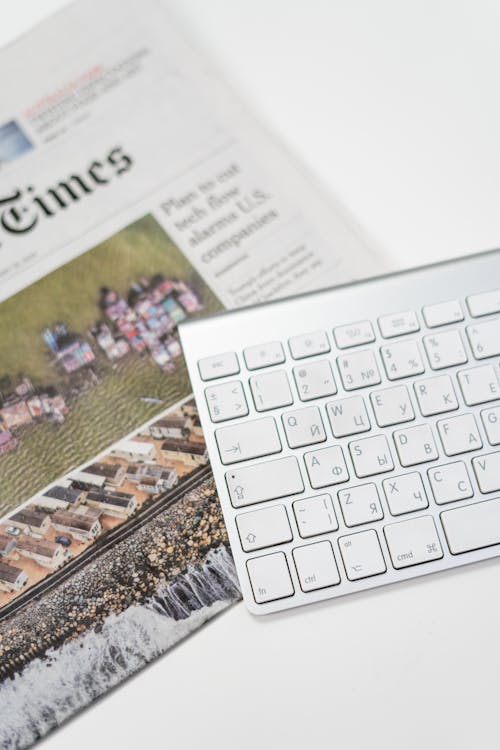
135	192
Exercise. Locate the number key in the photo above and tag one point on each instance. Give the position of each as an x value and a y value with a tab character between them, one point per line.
226	401
402	360
358	370
271	390
314	380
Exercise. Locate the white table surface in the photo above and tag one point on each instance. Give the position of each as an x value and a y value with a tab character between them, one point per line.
394	104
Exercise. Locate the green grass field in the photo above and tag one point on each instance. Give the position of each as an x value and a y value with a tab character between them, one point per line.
113	408
71	294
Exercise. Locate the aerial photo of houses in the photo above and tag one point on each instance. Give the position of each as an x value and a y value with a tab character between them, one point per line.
63	521
112	541
106	569
85	352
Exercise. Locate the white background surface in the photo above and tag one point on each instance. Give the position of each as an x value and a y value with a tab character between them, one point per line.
395	106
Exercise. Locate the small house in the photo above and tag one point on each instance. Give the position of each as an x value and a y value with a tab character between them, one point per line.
45	553
112	503
15	413
60	496
31	521
99	474
134	450
171	426
11	578
153	479
187	451
81	527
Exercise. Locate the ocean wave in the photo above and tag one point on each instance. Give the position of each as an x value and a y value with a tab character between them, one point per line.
51	689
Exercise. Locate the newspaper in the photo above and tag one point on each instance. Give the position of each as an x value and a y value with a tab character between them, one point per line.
135	192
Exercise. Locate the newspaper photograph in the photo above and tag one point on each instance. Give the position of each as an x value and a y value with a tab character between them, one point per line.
135	193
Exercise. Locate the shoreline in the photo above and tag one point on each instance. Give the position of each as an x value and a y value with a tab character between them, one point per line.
132	572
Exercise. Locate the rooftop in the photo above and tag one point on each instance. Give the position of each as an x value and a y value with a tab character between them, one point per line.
9	573
73	520
37	546
183	446
103	470
134	446
150	470
29	517
171	421
66	494
120	499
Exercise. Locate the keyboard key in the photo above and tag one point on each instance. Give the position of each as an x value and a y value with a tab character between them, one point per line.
415	445
314	380
253	439
354	335
472	526
303	427
348	416
392	406
218	366
371	456
226	401
479	385
263	528
270	578
459	435
436	395
491	422
487	470
484	339
445	350
443	314
402	360
271	390
405	494
326	467
264	355
413	542
309	345
398	324
486	303
315	515
269	480
360	505
362	555
358	370
450	483
316	566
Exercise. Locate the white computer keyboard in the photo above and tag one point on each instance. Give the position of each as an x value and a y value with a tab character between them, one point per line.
354	433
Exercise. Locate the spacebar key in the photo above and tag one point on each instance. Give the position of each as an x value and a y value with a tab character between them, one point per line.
472	526
253	439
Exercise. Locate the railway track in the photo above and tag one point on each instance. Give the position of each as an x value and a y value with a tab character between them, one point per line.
109	540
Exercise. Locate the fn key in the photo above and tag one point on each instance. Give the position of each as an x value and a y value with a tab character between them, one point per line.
270	578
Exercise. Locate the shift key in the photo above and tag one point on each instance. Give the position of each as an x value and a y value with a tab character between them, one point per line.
268	480
253	439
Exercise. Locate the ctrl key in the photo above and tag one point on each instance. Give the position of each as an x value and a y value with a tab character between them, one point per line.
316	566
270	578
